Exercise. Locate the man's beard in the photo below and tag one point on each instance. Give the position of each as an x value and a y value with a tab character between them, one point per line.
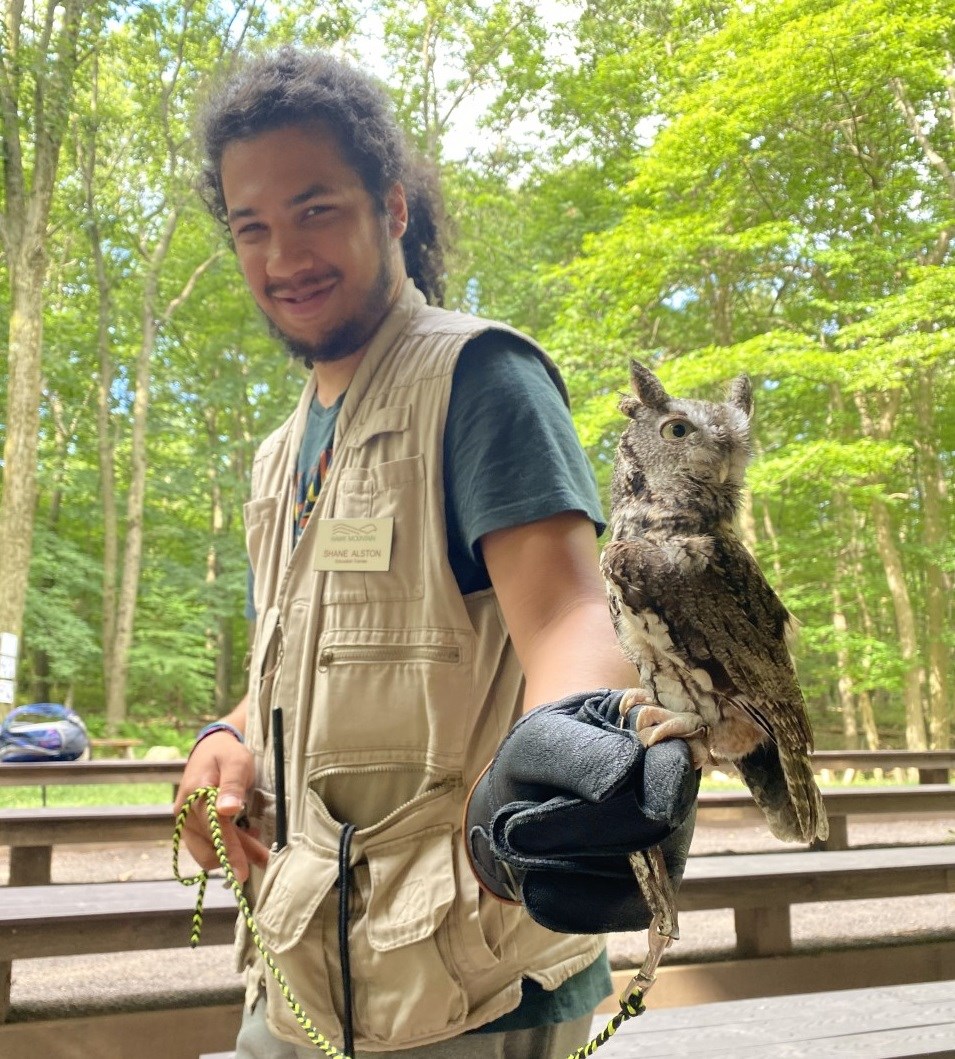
350	334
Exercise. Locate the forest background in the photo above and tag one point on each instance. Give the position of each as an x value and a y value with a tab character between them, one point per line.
712	187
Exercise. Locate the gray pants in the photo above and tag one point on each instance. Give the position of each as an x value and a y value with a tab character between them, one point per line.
545	1042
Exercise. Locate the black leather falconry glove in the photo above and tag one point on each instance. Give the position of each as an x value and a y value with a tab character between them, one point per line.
568	795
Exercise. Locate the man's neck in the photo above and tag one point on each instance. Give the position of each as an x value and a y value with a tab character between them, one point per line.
332	378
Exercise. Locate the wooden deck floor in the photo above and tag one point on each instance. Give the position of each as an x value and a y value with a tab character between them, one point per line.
886	1023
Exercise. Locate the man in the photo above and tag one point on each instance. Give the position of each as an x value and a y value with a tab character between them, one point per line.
423	549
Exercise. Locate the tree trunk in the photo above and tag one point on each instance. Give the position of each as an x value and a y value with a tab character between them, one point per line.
107	470
18	503
904	623
850	728
747	522
220	637
870	728
31	133
770	530
843	522
135	506
136	497
42	681
104	432
932	488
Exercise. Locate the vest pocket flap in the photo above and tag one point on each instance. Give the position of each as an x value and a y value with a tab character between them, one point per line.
295	883
412	887
392	420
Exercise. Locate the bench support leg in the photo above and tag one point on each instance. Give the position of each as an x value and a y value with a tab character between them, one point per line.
5	976
838	835
763	931
30	865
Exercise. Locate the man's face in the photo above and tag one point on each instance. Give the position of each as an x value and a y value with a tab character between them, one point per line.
322	262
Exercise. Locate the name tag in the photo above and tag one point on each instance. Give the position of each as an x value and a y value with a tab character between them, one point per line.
354	543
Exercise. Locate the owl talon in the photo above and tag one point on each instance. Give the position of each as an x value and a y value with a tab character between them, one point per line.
630	699
656	724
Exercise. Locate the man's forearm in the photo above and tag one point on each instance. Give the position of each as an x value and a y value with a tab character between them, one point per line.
239	714
575	652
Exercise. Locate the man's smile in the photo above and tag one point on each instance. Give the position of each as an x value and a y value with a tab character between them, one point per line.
303	299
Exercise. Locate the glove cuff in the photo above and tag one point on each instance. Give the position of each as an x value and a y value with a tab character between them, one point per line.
493	876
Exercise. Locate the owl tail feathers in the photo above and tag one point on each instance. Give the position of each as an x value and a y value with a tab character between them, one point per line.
784	788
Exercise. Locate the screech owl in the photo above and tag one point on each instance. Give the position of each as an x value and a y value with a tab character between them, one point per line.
692	609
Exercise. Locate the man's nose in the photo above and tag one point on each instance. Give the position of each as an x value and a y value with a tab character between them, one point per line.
288	255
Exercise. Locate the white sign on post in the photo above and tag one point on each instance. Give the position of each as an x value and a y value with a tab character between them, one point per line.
9	644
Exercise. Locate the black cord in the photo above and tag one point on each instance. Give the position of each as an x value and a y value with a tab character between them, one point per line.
344	877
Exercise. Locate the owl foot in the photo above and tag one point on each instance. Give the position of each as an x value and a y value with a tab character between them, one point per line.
650	871
654	724
631	698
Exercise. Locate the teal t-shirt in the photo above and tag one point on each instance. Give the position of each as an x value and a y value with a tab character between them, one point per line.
511	456
314	459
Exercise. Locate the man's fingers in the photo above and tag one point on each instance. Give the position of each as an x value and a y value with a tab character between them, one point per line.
242	849
256	852
235	779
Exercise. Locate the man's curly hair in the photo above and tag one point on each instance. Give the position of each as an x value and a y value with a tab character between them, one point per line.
293	87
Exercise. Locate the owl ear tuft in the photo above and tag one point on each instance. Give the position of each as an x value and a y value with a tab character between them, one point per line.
741	394
648	388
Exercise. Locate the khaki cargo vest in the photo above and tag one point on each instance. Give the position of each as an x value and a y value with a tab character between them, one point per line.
395	692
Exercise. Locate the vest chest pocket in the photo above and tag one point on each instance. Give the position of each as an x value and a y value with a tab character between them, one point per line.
395	490
261	519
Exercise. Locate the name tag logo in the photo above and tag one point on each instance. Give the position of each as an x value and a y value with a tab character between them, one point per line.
354	544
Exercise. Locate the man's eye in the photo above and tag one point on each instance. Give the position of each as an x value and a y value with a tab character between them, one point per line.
676	429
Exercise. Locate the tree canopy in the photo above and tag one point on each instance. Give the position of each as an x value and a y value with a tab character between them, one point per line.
712	188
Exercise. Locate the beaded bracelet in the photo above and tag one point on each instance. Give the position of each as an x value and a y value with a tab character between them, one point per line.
218	726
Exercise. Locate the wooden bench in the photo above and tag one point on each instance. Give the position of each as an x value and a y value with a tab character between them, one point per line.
68	773
882	1023
887	1023
126	747
71	919
45	774
78	919
761	889
31	834
841	803
933	766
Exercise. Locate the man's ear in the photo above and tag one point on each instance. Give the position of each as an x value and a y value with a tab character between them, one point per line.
397	207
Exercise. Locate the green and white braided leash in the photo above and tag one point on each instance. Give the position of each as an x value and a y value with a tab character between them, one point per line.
215	830
631	1002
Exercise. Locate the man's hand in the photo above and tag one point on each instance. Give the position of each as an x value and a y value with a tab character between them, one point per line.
220	760
569	794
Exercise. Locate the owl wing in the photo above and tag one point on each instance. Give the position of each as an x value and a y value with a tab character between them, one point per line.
723	617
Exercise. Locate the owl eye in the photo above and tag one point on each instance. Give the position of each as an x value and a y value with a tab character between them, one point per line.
676	429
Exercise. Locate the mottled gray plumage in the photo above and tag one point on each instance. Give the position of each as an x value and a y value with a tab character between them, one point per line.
692	609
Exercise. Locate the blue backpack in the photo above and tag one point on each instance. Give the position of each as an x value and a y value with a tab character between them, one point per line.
42	731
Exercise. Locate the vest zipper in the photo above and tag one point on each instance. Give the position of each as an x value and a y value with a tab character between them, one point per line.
416	652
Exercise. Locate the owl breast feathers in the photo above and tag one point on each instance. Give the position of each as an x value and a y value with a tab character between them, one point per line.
693	611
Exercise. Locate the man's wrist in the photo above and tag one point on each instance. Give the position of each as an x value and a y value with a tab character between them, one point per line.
218	726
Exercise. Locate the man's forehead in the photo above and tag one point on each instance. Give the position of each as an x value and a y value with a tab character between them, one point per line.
294	163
